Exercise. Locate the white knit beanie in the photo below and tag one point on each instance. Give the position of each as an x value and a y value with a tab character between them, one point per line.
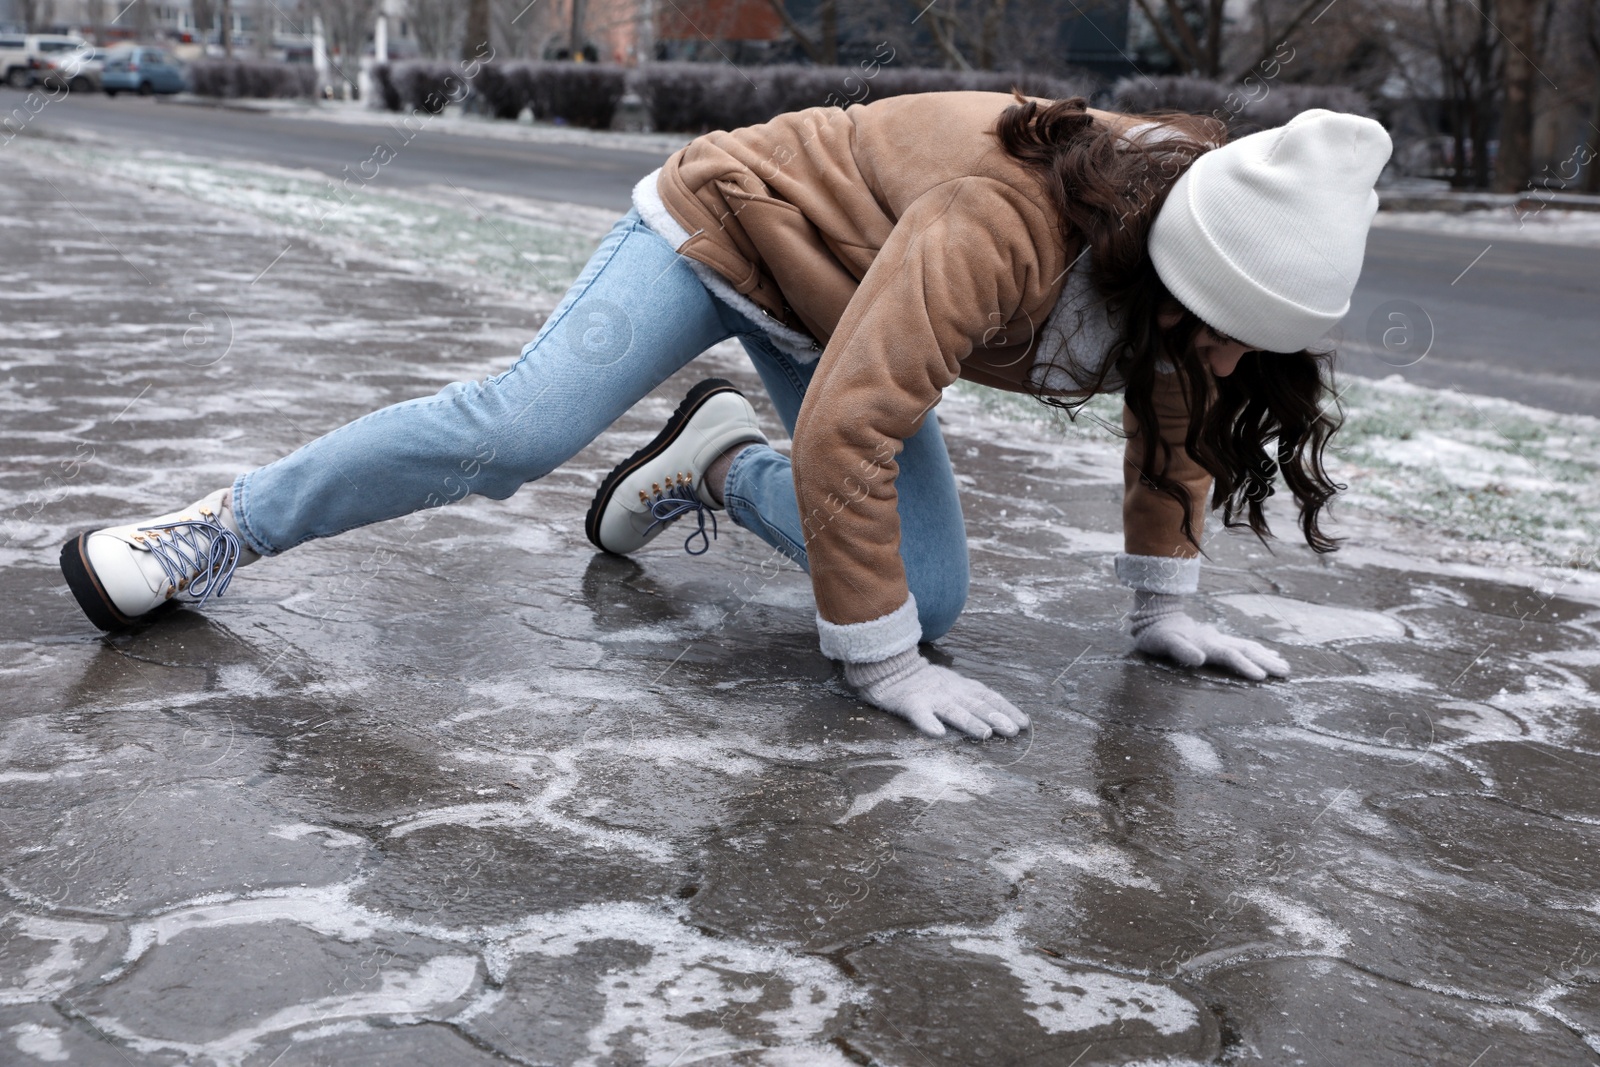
1263	238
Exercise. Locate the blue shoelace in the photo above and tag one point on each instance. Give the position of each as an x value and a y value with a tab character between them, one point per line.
678	500
199	556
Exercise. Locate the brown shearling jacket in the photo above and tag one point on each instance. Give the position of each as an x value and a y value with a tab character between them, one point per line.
905	240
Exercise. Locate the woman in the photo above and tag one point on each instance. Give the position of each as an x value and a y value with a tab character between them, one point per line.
867	259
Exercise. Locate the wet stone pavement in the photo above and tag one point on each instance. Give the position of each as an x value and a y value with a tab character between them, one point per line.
456	790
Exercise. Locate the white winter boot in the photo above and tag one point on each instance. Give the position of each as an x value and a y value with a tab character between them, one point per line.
665	479
124	572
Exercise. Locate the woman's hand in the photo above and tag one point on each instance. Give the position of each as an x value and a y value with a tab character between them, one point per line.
932	697
1162	628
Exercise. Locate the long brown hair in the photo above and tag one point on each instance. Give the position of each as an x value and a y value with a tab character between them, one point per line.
1107	189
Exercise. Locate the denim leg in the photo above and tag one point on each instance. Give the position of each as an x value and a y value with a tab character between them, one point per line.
933	538
635	316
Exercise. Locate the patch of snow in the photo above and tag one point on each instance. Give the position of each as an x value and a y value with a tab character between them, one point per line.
404	996
331	838
1548	225
1067	1001
40	1042
688	973
1098	861
1296	920
57	971
1305	623
324	909
931	777
1197	753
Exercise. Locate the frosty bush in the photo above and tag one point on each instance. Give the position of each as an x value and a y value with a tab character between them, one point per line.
421	85
695	97
388	92
1258	105
685	97
231	79
581	94
504	89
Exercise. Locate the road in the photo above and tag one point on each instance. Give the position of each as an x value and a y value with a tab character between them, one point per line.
577	173
1519	320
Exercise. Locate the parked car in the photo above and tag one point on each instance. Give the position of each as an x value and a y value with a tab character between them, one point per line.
60	59
14	60
141	69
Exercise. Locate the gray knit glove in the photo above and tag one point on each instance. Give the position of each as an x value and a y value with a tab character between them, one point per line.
930	697
1162	628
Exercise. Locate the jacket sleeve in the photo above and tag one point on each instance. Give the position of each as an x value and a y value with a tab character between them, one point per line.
960	261
1157	557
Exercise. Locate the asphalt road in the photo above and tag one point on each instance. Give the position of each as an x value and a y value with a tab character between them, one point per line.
1521	322
576	174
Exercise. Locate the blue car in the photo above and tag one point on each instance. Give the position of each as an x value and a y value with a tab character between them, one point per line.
141	70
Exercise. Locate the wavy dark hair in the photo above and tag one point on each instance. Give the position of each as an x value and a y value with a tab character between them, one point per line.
1274	414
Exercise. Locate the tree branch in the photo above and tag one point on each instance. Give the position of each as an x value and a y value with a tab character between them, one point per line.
801	38
1283	35
1161	35
1186	34
939	26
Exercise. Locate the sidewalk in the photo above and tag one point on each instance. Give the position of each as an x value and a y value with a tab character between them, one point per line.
457	790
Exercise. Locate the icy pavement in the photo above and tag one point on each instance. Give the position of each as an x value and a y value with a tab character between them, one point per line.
456	790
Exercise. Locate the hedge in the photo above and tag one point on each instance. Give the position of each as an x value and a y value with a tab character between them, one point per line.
1260	104
681	97
232	79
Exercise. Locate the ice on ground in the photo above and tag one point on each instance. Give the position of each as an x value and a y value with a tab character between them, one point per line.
56	972
1294	919
1197	753
688	973
1098	861
1301	623
930	777
331	838
404	994
1068	1001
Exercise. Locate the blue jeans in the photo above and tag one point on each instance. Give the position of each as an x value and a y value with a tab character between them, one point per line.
635	316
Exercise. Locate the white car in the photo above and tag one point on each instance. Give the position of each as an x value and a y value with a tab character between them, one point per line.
29	59
14	59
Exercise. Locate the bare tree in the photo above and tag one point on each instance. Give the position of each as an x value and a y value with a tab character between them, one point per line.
475	44
1591	181
1466	48
522	30
945	25
1518	22
203	14
983	23
36	14
261	14
1203	39
97	19
437	25
820	45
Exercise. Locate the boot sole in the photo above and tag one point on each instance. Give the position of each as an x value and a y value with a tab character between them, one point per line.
85	586
692	403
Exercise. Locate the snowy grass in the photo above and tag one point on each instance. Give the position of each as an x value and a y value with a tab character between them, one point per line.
1462	477
1451	475
1547	225
1503	481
